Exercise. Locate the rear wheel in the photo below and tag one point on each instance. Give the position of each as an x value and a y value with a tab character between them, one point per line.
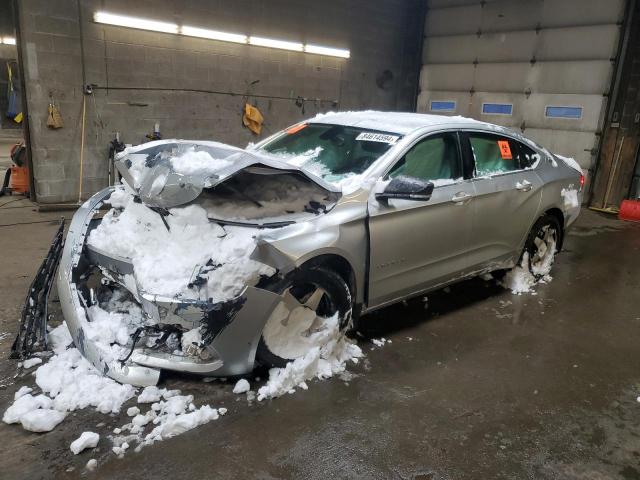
315	305
542	245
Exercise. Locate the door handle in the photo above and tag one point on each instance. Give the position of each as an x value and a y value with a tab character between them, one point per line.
460	198
524	186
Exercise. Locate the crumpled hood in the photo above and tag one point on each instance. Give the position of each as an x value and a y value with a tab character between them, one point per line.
169	173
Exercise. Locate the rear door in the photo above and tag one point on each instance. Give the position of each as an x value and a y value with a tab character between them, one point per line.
507	196
418	244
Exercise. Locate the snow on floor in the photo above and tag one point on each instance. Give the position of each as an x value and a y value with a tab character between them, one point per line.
381	342
171	415
242	386
68	382
84	441
163	260
521	280
328	356
31	362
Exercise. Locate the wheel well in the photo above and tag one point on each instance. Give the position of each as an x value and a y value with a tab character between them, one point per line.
339	265
557	213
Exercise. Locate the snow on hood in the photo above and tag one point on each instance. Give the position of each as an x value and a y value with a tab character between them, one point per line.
168	173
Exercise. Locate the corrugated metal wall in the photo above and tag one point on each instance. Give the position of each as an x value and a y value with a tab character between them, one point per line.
531	54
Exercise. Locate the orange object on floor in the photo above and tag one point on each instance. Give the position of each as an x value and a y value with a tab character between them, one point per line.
19	180
630	210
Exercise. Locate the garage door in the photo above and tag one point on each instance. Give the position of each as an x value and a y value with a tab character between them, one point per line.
542	67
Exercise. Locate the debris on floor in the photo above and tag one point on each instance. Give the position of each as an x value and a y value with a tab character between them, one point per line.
84	441
242	386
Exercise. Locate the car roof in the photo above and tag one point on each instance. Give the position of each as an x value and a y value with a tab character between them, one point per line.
393	122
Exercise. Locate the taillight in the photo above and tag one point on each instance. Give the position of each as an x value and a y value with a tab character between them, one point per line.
581	182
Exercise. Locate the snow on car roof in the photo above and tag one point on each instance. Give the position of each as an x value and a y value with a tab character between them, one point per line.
395	122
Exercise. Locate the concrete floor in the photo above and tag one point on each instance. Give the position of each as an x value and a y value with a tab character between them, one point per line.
491	385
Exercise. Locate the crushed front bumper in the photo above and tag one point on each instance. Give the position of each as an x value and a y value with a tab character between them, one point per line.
232	328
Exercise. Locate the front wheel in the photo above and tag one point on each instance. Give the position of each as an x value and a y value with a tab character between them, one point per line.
541	246
316	306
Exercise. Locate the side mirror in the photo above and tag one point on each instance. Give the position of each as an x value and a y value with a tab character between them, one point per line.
407	188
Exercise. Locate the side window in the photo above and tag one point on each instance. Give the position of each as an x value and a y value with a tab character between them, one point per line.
493	154
434	158
526	156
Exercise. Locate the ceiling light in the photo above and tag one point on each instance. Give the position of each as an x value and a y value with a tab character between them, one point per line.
8	40
213	34
134	22
146	24
333	52
281	44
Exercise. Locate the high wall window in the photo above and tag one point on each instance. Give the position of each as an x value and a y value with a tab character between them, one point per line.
443	106
497	108
563	112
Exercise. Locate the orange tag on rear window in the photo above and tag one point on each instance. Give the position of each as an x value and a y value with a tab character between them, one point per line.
505	150
295	128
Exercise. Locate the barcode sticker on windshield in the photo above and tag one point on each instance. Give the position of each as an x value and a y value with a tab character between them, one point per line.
377	137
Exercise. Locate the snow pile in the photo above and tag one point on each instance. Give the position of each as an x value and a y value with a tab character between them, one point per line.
521	279
133	411
380	342
242	386
570	197
42	420
22	391
571	162
34	413
68	381
73	383
164	260
84	441
31	362
198	162
153	394
328	357
183	156
171	415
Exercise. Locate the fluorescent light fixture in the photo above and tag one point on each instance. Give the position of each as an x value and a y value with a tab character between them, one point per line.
8	40
134	22
213	34
165	27
332	52
281	44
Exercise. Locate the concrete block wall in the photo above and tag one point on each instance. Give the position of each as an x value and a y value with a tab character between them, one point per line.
382	36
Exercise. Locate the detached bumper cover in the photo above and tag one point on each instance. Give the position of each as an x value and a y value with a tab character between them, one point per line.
231	329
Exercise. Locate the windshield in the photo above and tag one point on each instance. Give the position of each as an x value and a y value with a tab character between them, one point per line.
333	152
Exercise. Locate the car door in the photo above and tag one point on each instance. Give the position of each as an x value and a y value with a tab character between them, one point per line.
418	244
507	197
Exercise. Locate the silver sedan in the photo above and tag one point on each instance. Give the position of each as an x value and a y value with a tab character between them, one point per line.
347	212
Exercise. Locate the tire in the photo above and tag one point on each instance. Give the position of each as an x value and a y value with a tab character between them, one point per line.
280	343
543	242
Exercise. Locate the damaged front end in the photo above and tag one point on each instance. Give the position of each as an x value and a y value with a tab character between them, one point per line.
191	330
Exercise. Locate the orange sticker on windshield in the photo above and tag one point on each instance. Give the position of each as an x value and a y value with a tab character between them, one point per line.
505	149
295	128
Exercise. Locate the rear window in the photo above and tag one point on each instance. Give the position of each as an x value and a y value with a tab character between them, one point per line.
493	154
527	157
